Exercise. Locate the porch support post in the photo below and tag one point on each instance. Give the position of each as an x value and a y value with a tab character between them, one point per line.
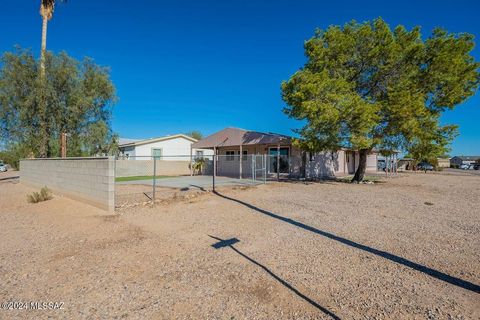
396	163
191	161
386	166
278	162
264	160
240	158
214	167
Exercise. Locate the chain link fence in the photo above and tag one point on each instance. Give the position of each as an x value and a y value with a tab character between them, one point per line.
143	179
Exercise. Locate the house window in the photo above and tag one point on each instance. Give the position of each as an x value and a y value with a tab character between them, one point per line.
199	153
283	156
312	156
230	155
157	153
244	155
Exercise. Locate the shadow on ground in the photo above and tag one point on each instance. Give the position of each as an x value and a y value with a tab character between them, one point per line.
230	242
9	178
389	256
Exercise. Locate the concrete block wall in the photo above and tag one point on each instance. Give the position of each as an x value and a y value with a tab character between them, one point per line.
90	180
129	168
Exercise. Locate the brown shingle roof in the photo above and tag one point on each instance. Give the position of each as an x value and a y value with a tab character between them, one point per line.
234	137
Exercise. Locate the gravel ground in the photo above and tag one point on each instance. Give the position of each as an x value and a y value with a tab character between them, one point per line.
408	247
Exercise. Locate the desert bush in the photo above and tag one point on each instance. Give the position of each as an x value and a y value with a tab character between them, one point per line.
44	195
198	165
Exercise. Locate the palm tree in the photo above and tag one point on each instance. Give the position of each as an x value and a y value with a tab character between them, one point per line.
46	11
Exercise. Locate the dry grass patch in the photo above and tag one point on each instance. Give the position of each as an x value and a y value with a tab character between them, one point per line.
44	195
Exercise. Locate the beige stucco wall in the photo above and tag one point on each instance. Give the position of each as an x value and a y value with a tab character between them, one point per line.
321	165
90	180
372	162
443	163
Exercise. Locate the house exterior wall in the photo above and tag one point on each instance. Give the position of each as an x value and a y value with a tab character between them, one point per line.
319	165
456	161
443	162
323	165
226	166
329	164
130	151
372	162
341	166
175	149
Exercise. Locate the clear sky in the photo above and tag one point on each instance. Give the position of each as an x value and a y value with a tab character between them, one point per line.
204	65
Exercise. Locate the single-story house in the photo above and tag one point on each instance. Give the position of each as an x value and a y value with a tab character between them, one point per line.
174	147
459	160
281	157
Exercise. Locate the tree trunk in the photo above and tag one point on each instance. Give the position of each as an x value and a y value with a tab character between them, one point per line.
44	46
362	166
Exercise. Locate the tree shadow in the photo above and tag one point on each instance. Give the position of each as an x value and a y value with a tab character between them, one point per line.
230	242
389	256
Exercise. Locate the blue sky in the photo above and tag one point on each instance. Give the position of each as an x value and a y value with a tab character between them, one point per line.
204	65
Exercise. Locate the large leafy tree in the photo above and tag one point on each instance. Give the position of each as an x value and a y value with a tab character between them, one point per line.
195	134
367	87
75	97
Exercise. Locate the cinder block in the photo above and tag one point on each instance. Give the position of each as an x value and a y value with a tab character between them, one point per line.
91	181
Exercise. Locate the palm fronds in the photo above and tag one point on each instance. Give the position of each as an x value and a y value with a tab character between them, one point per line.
47	7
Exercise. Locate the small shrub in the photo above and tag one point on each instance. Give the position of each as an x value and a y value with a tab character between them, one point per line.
44	195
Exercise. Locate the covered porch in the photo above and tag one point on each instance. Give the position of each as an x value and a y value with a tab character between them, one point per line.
240	153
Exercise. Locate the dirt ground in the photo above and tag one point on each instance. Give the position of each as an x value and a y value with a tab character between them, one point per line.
406	248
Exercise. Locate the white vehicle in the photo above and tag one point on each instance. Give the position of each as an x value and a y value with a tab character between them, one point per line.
466	166
3	168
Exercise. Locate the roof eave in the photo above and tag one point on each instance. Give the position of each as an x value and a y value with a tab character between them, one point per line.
147	141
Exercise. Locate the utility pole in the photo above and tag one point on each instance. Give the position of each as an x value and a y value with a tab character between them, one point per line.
63	145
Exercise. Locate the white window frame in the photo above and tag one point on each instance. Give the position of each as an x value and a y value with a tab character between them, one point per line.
157	157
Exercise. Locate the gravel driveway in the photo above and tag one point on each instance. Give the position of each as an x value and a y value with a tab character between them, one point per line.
407	247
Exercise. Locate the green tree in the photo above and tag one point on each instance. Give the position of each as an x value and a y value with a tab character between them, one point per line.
195	134
79	97
430	145
365	86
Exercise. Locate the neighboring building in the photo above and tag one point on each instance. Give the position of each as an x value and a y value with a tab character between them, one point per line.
443	162
281	156
176	148
459	160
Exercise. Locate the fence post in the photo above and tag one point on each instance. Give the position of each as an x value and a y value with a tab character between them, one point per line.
154	175
253	167
264	160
